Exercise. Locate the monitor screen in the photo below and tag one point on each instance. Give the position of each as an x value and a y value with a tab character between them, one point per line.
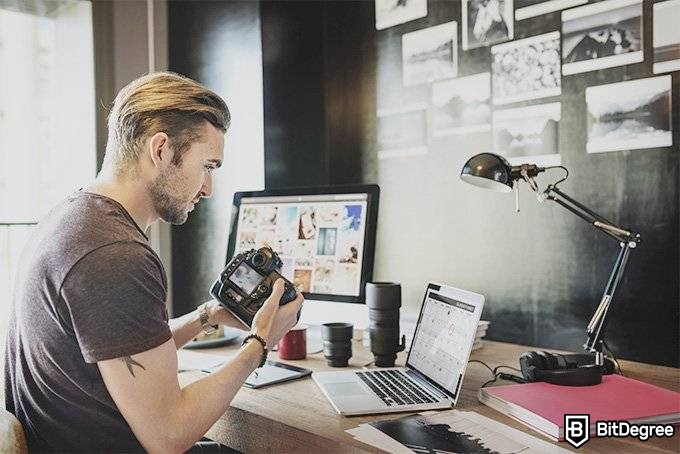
324	237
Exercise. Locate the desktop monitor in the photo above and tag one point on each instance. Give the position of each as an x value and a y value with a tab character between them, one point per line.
325	237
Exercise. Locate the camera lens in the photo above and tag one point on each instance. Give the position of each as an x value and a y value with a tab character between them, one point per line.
337	343
383	300
259	259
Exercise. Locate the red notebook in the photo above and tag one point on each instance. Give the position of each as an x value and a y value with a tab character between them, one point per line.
542	406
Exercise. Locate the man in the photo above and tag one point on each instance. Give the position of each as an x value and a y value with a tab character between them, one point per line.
91	362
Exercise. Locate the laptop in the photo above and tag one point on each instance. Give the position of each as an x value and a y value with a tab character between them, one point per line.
435	365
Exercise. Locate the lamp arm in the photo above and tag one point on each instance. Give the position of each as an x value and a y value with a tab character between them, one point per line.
620	234
598	322
627	240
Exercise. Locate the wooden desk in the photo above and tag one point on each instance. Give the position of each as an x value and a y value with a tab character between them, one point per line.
296	417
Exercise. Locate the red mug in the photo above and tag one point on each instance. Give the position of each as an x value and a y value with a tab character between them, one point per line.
294	344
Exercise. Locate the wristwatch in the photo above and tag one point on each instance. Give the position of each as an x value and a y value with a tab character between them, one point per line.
204	317
261	341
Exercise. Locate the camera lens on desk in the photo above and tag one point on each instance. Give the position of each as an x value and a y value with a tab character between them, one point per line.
384	300
337	343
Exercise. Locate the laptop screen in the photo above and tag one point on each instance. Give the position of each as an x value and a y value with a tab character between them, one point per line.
444	336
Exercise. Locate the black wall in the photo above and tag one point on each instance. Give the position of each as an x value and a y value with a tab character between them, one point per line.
326	70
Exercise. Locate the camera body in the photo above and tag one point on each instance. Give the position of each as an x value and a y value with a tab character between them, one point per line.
247	281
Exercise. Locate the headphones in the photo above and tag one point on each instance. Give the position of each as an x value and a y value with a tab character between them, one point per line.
567	370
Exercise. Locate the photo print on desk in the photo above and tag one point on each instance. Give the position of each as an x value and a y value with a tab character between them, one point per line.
526	69
528	134
486	22
461	105
402	132
602	35
389	13
666	36
630	115
430	54
448	432
526	9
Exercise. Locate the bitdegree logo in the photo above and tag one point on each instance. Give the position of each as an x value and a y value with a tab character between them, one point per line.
643	432
576	430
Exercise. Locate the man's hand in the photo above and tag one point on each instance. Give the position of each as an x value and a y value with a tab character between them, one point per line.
218	315
273	321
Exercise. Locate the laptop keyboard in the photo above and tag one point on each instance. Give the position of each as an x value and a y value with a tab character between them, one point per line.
395	388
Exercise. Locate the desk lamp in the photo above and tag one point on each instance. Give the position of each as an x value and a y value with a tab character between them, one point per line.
490	171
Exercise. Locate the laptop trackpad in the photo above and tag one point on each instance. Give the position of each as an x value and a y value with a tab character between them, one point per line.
344	389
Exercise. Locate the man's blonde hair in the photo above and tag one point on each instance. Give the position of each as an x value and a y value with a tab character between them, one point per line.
161	102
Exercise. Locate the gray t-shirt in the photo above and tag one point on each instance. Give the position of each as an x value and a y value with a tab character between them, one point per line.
89	288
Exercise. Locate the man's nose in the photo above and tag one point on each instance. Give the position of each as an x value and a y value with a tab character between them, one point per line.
206	189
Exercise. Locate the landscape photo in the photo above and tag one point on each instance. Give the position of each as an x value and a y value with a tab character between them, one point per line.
486	22
528	134
430	54
402	133
630	115
602	35
462	105
393	12
666	36
526	69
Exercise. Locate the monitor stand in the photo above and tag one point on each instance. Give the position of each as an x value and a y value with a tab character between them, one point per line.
315	313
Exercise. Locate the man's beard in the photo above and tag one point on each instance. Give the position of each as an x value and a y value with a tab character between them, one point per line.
169	207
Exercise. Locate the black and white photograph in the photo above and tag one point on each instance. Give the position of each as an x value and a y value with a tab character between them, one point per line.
486	22
448	432
666	36
402	133
526	69
525	9
602	35
528	134
462	105
630	115
389	13
430	54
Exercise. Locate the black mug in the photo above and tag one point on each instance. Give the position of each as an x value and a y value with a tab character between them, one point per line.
337	343
384	300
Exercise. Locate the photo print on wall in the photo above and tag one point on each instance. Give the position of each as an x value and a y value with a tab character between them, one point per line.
389	13
528	134
462	105
402	132
526	69
602	35
630	115
486	22
532	8
430	54
666	36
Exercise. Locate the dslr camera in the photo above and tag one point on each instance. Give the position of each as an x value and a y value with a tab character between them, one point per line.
247	281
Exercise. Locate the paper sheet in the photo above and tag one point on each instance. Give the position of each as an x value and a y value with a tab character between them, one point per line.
473	426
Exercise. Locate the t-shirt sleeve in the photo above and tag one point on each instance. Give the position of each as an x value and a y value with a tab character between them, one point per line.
115	297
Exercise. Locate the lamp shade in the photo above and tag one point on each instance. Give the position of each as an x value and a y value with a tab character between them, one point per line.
489	171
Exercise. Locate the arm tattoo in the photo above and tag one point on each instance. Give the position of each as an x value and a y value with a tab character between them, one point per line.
129	362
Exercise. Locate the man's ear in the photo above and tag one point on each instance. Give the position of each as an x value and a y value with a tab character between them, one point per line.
159	150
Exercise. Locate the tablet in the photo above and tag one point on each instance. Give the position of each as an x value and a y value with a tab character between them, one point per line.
274	372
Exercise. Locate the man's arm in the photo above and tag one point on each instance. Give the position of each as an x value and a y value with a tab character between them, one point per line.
167	418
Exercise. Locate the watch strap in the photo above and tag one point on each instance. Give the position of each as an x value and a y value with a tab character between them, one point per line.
262	342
